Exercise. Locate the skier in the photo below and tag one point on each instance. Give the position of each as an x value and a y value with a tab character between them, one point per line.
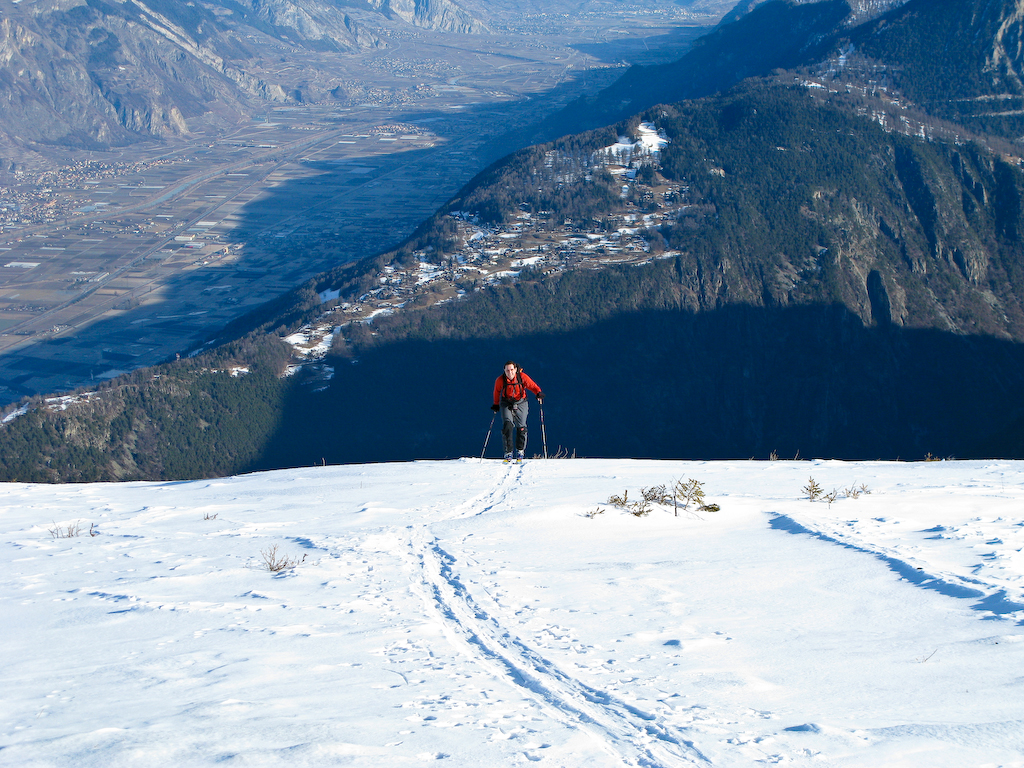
510	390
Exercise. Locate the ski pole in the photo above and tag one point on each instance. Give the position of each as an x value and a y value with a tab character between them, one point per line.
488	436
543	433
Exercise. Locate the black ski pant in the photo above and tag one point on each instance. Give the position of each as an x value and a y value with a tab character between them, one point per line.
513	425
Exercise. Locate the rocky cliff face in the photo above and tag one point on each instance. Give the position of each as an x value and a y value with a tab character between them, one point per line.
46	94
815	205
433	14
321	25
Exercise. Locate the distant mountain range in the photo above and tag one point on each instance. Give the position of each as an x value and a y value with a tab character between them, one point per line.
860	10
97	74
842	275
89	74
975	80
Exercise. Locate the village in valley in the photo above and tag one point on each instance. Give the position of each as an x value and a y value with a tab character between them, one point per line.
490	254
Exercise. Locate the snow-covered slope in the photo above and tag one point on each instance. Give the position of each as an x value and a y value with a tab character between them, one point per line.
465	613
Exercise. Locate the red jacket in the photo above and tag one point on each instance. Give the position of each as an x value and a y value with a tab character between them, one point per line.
512	390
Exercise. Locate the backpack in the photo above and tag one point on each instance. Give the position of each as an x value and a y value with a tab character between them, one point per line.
510	389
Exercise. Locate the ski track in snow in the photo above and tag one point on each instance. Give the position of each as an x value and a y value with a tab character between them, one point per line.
989	598
431	593
631	735
628	734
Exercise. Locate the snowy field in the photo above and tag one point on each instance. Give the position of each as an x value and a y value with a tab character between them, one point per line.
465	613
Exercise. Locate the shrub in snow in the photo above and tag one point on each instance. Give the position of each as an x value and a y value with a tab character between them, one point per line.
69	531
640	508
65	532
275	563
855	491
685	492
813	489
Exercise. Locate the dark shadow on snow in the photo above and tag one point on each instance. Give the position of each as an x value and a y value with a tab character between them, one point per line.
996	603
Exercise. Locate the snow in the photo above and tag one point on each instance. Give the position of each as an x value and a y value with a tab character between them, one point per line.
466	613
648	142
380	312
651	140
311	342
21	411
428	272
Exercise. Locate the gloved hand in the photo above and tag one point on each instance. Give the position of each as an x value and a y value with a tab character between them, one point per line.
495	407
540	397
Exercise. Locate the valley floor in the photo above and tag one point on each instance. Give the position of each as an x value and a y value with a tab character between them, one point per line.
473	614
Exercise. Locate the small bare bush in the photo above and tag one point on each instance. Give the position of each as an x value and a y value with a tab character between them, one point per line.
640	508
689	492
685	493
656	494
275	563
856	491
69	531
561	453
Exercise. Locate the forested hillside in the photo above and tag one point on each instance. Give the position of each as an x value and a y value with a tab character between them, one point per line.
183	420
960	59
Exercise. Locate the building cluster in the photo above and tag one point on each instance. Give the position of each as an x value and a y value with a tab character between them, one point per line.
27	205
533	243
531	23
43	198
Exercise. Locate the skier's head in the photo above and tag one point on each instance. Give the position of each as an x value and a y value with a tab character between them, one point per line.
511	369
